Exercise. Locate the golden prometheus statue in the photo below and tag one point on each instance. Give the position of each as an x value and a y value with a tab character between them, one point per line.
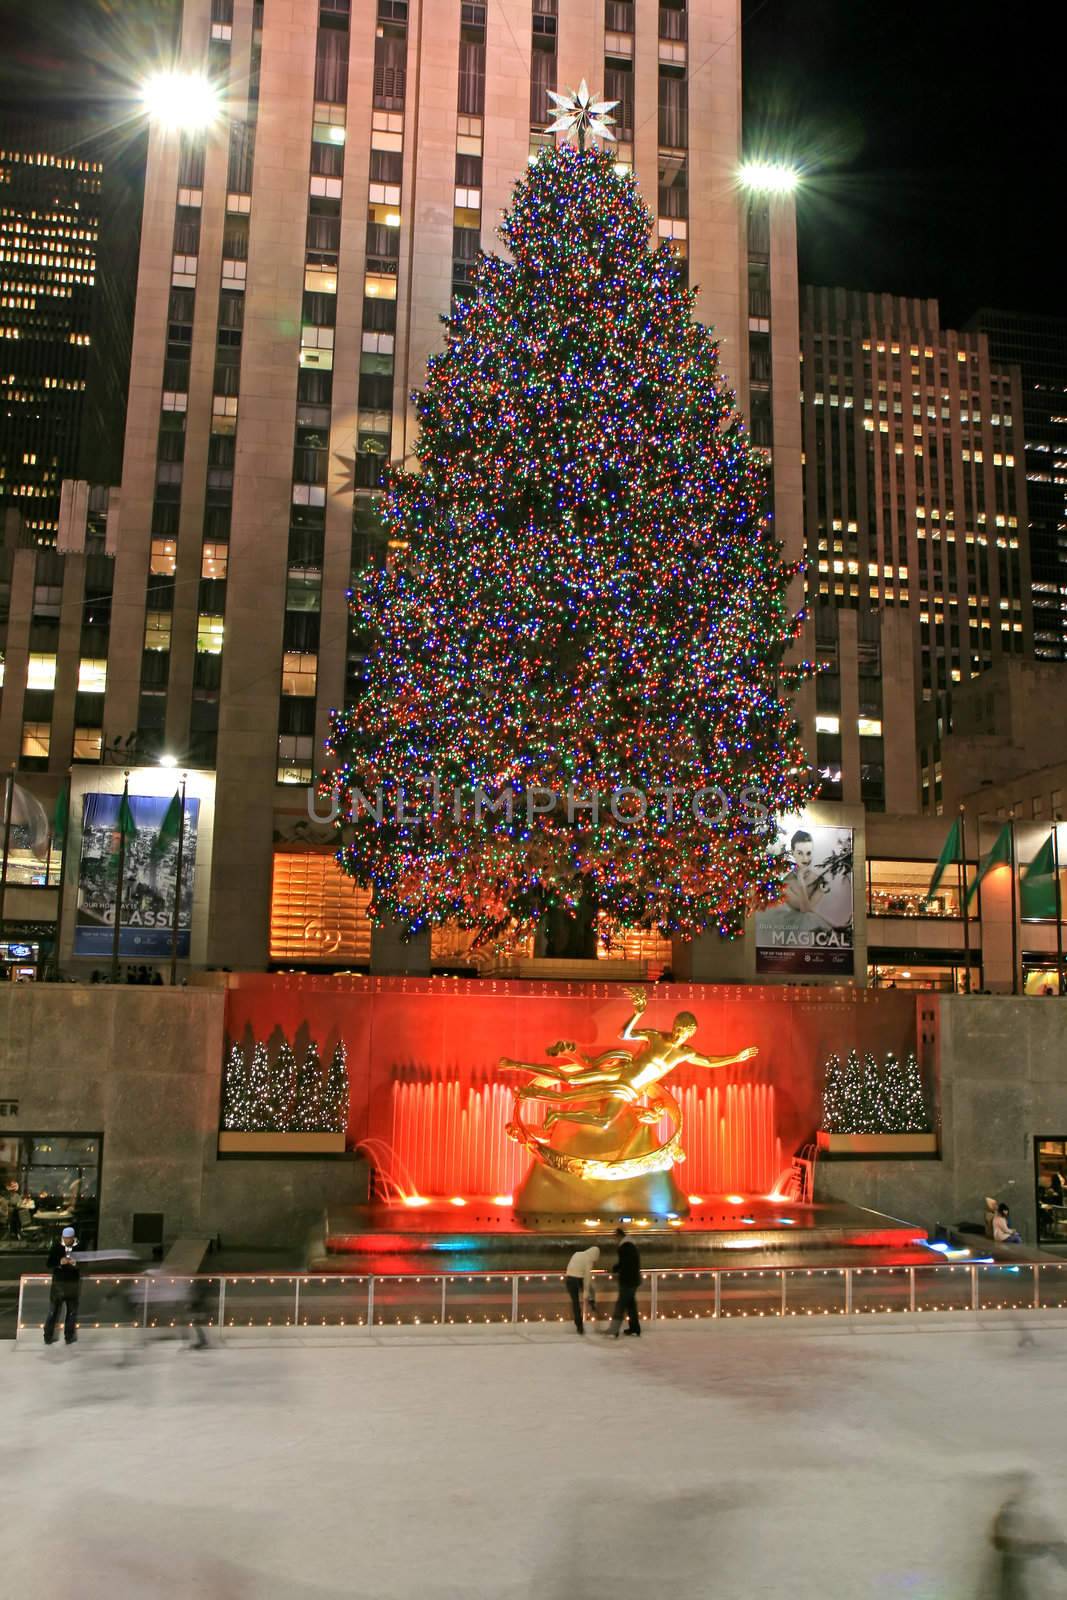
603	1120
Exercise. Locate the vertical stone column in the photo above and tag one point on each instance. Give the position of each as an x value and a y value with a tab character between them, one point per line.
429	202
259	538
394	956
848	712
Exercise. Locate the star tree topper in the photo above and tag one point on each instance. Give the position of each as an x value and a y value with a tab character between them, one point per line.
579	112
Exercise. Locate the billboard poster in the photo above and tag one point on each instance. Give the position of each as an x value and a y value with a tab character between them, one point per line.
151	862
809	932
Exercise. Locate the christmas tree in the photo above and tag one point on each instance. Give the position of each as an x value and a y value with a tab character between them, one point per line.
872	1108
334	1109
234	1090
282	1089
832	1096
852	1095
307	1105
913	1110
256	1117
590	604
893	1094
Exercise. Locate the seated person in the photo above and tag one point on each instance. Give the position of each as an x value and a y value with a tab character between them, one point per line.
1003	1232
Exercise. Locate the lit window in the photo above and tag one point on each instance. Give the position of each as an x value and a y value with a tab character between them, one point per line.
827	724
92	675
299	673
380	286
41	673
215	560
209	635
870	727
164	558
87	744
294	758
157	630
36	739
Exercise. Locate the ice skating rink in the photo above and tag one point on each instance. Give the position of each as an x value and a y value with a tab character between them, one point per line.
701	1461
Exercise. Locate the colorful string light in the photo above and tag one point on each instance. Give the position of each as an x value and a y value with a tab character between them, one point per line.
592	599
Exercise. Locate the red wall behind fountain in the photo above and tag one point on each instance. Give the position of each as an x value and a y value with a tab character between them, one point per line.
422	1056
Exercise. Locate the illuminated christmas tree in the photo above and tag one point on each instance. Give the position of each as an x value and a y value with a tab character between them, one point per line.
282	1089
872	1108
852	1095
893	1094
833	1106
257	1116
235	1090
913	1115
334	1108
307	1105
587	598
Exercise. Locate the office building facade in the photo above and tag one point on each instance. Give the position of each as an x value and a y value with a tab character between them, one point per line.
50	213
296	261
916	521
1038	345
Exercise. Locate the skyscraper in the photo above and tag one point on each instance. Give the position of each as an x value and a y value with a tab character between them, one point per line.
915	519
50	209
1038	345
296	262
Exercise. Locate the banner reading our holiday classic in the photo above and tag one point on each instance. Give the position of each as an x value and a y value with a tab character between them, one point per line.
150	861
810	931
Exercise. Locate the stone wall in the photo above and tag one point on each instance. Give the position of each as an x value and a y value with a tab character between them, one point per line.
142	1068
1003	1082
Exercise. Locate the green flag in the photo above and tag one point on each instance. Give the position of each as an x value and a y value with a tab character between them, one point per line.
999	856
1037	886
950	853
125	829
59	818
169	827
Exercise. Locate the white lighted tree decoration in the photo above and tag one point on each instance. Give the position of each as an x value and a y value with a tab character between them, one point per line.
578	112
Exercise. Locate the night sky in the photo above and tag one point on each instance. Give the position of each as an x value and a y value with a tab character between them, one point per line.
931	133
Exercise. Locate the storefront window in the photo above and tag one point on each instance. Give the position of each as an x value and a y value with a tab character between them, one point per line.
948	980
899	889
1051	1178
48	1181
1039	980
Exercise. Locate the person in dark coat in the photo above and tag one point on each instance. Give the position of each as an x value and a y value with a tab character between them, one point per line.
66	1286
627	1270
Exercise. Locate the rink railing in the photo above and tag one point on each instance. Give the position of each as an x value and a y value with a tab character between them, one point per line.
262	1300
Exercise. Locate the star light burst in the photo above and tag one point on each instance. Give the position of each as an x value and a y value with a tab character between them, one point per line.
579	113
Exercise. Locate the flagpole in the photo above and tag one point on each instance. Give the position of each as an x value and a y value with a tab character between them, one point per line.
177	890
963	903
123	803
62	871
978	892
8	804
1015	906
1059	903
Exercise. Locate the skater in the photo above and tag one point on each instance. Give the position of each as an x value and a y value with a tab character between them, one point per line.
627	1270
66	1286
1026	1542
579	1281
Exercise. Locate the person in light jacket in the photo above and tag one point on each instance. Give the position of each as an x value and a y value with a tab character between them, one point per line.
1003	1232
579	1281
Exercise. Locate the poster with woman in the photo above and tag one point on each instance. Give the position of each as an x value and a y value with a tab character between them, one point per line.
809	932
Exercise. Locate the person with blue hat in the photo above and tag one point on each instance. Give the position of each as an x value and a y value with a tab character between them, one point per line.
66	1287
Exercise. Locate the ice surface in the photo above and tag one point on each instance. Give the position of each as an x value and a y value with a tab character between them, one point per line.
702	1461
